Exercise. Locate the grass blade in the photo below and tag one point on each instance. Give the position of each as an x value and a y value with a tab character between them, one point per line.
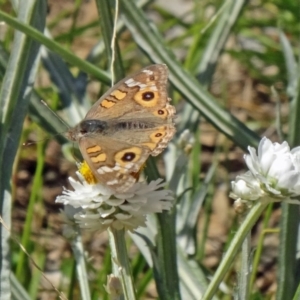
288	265
55	47
15	93
150	41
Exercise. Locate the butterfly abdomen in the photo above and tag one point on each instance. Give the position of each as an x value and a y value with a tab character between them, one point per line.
129	125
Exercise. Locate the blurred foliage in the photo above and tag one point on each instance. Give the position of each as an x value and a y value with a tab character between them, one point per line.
251	62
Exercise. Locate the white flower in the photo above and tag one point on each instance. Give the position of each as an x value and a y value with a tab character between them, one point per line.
276	168
246	187
100	208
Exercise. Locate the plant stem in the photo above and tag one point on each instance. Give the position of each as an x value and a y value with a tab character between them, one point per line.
235	245
81	270
120	262
245	270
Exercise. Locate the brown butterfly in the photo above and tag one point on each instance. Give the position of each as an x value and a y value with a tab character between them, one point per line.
131	121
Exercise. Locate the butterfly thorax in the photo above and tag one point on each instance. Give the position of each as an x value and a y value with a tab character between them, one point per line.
86	127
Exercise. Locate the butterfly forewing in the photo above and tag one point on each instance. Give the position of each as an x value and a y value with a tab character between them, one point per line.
131	121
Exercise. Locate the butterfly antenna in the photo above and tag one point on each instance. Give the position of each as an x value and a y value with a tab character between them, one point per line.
55	114
58	117
33	143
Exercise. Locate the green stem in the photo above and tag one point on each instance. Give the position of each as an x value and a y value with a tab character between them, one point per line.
245	272
107	28
120	262
81	270
259	247
166	278
288	276
235	245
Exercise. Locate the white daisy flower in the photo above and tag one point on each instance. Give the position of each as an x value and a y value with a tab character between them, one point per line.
274	174
100	208
276	168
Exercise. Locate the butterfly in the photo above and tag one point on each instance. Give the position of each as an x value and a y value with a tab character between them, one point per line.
131	121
